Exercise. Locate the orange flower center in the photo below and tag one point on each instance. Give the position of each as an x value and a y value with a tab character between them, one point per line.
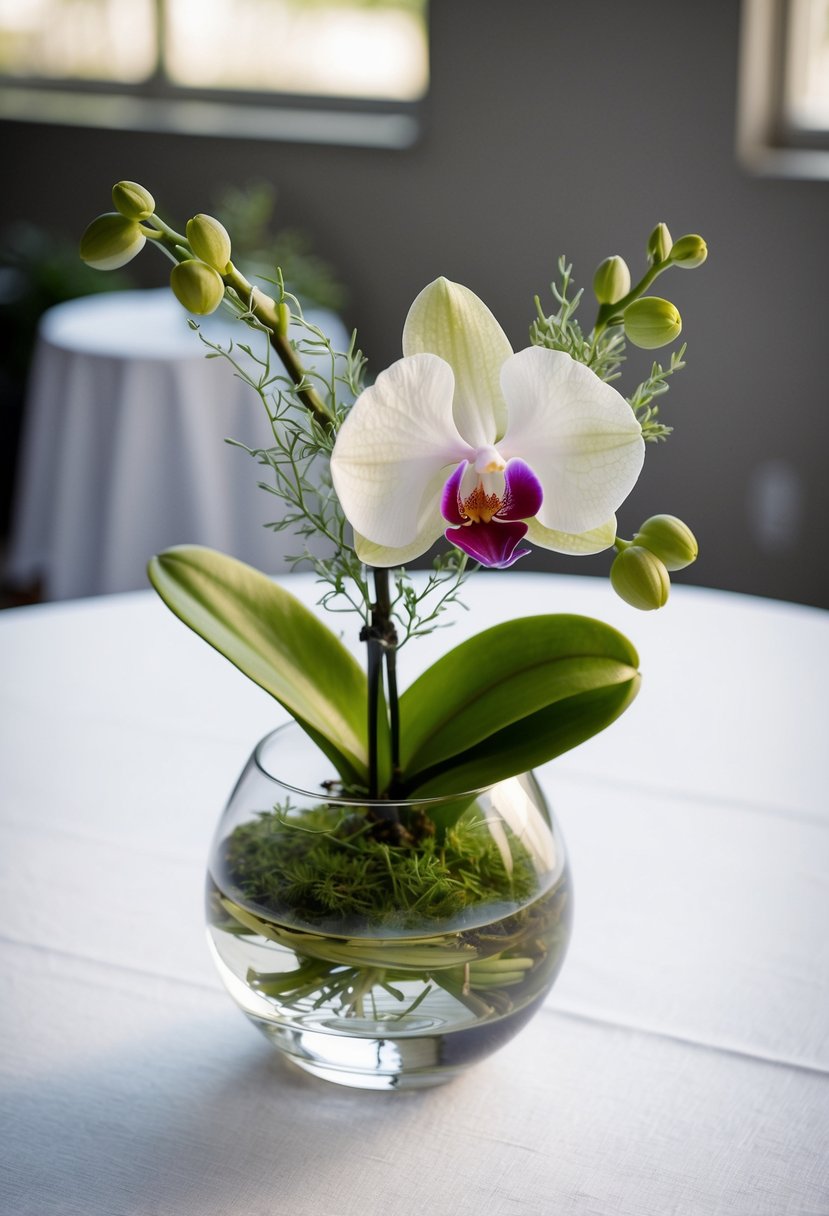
479	507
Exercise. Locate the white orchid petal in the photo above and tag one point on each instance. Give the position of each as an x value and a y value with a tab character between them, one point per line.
578	434
430	526
387	555
579	544
391	452
449	320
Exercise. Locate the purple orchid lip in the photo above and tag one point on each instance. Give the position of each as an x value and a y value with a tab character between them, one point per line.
522	496
449	500
493	544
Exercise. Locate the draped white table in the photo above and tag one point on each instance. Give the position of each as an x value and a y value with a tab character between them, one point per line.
122	451
679	1066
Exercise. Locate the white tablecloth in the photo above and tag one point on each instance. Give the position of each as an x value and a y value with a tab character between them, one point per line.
122	451
679	1066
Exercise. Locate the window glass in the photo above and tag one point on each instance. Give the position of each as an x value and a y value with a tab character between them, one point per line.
806	93
112	40
291	46
347	48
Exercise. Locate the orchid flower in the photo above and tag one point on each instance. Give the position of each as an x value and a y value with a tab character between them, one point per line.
464	437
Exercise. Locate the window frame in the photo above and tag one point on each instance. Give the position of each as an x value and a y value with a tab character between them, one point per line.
768	144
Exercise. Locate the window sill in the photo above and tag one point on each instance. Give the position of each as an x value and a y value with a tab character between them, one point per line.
337	123
764	159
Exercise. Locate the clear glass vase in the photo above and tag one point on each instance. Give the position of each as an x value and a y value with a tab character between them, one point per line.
384	945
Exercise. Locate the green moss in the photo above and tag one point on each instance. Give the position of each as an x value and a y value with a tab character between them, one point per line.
317	864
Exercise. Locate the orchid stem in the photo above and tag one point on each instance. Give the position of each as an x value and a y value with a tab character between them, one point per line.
375	678
260	306
381	585
381	638
263	309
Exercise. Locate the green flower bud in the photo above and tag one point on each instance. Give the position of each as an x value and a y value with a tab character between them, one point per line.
659	244
669	539
652	322
640	578
111	241
133	200
611	282
197	286
689	251
209	241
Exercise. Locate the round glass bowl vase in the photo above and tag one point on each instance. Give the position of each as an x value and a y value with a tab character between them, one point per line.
384	945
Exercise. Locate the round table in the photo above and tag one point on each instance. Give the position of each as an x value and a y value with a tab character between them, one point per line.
122	452
680	1064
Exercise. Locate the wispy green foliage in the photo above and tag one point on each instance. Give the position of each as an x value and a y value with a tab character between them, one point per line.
603	350
643	400
603	354
298	465
417	607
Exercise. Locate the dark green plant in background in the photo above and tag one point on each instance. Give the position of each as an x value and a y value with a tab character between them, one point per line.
261	245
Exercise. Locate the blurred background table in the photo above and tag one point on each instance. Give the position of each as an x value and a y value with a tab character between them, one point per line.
122	451
680	1064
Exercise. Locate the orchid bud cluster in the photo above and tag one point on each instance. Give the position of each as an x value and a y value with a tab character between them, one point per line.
202	255
640	572
648	321
114	238
203	275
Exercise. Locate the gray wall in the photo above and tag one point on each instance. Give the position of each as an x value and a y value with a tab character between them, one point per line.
557	127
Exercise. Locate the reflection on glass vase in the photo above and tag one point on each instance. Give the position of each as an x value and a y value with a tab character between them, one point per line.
384	945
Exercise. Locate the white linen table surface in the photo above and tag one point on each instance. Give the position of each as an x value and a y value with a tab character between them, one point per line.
122	451
679	1065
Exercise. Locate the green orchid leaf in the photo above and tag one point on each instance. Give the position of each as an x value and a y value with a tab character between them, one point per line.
533	741
511	698
276	641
